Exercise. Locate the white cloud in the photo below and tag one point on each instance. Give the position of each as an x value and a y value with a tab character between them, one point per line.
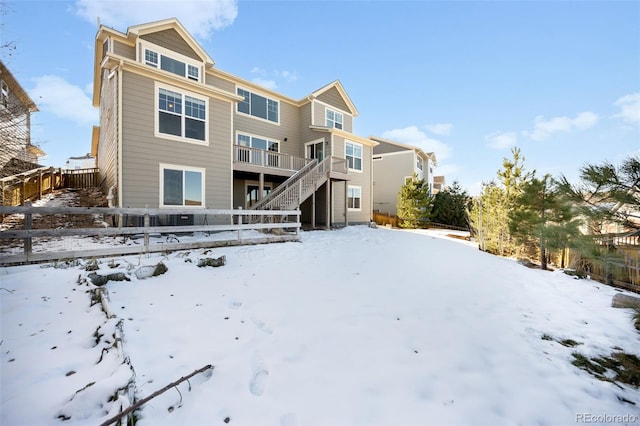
446	170
442	129
413	136
629	108
199	17
543	129
269	84
62	99
500	140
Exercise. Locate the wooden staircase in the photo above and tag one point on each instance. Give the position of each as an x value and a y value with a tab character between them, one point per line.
292	192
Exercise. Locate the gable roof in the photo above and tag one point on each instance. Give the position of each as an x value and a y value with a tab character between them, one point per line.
166	24
16	89
404	147
343	93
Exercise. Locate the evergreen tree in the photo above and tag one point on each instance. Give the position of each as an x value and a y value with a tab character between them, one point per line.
543	219
607	193
450	206
414	202
488	217
489	212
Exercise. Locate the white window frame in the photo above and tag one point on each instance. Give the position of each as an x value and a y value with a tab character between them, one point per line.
355	144
160	51
268	98
4	94
202	171
331	122
183	93
354	188
313	143
419	163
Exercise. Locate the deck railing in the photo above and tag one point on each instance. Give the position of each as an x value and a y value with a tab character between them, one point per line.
270	159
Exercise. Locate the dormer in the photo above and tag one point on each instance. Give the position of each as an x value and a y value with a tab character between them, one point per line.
165	45
332	108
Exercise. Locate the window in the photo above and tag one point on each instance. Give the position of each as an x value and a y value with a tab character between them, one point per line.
4	94
181	186
334	119
258	106
353	154
193	72
419	163
354	197
172	62
257	157
181	115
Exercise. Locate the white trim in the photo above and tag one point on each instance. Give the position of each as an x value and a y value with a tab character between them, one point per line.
163	167
252	135
359	188
335	114
156	108
315	142
329	106
361	170
144	45
257	92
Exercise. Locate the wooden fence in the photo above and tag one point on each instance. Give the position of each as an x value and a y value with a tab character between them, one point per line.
30	245
33	184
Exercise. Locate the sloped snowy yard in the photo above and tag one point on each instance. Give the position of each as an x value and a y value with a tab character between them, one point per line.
353	327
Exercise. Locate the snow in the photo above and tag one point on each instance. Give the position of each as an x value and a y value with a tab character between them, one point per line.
357	326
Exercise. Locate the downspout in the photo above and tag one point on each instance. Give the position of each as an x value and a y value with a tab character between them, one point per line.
119	117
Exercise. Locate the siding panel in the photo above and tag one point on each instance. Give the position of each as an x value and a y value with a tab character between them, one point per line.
124	50
170	39
143	152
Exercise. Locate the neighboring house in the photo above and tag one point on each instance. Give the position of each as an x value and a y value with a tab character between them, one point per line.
175	131
393	164
17	153
86	161
439	184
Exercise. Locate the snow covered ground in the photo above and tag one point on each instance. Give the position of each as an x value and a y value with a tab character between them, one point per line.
358	326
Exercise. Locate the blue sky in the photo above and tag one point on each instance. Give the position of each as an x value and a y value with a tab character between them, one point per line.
466	80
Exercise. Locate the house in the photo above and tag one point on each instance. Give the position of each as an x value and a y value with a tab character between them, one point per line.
393	164
177	131
439	184
86	161
17	153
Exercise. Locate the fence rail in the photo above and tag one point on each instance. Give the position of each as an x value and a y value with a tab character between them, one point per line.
33	184
30	245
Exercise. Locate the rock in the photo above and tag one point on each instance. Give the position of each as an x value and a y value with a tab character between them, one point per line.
100	280
625	301
210	261
150	271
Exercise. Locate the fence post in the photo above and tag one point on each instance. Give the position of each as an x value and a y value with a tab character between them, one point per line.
240	223
147	222
28	223
40	184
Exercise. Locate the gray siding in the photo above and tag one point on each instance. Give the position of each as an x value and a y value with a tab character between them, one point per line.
124	50
170	39
107	142
389	175
385	147
320	116
288	128
142	152
333	98
361	179
220	83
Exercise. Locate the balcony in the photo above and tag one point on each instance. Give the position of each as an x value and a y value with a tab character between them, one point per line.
257	160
